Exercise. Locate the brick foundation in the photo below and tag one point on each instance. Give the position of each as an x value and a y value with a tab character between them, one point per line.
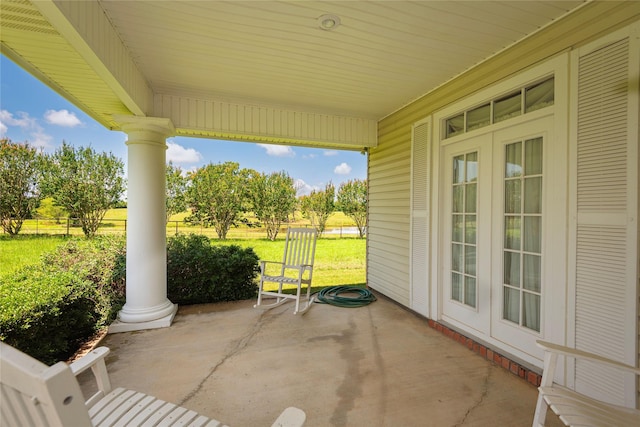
489	354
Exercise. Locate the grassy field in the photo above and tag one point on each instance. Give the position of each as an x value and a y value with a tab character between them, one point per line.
337	261
115	222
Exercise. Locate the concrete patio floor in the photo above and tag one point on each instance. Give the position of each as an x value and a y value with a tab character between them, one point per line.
378	365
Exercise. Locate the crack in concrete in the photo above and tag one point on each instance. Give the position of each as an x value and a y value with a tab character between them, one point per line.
379	361
485	393
241	344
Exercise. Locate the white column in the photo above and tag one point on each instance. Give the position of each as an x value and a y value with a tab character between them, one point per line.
147	306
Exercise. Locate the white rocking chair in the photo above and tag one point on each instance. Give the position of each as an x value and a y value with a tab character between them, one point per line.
296	269
573	408
34	394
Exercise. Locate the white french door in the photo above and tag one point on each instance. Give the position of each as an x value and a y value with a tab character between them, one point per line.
502	203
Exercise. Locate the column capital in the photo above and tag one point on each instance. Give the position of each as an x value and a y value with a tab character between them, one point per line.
160	127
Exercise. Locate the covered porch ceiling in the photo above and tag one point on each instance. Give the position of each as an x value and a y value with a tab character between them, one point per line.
315	73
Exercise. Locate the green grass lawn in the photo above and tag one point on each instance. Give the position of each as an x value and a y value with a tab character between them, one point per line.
337	261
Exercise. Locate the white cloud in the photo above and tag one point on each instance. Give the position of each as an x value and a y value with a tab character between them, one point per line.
342	169
309	156
25	121
178	154
38	138
302	188
62	118
278	150
329	153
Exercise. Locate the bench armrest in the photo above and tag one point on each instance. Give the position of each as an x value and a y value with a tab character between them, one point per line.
579	354
95	361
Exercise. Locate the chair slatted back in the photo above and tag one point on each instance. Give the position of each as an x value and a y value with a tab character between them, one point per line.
299	247
34	394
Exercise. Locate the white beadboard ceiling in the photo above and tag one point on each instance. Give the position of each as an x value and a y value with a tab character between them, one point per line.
382	56
260	70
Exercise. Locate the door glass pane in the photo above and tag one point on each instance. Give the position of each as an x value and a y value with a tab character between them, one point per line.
507	107
470	260
511	307
533	157
533	195
512	232
458	228
531	271
472	167
513	160
470	203
470	291
456	258
532	232
478	117
458	198
470	229
463	220
512	269
512	196
456	287
523	233
531	311
458	169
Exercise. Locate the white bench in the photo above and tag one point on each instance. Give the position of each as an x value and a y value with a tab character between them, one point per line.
575	409
34	394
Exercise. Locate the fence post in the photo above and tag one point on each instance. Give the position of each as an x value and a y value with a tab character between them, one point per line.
125	225
68	219
176	228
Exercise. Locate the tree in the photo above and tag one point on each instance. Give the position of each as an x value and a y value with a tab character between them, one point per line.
318	206
217	195
49	209
85	183
352	201
20	167
176	198
272	197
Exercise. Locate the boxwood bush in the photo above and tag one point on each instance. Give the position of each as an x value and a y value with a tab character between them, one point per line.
51	308
198	272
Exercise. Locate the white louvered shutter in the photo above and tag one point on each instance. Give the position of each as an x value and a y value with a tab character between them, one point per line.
420	239
606	247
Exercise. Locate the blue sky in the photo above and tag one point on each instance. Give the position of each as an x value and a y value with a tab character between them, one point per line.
31	111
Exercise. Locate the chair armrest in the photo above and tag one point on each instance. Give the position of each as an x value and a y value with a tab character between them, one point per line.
579	354
95	361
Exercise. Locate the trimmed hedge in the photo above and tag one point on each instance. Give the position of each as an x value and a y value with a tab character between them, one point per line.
198	272
50	309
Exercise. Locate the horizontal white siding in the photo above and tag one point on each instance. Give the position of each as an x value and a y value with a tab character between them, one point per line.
389	214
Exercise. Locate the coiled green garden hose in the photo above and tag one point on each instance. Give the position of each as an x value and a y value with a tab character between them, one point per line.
332	296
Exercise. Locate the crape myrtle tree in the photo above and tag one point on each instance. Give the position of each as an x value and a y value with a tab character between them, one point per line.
85	183
272	198
20	167
176	191
352	201
318	206
217	195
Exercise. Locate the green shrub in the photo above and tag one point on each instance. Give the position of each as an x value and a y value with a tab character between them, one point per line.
100	261
46	313
50	309
198	272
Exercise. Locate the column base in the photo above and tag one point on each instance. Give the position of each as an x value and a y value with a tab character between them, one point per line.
164	322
